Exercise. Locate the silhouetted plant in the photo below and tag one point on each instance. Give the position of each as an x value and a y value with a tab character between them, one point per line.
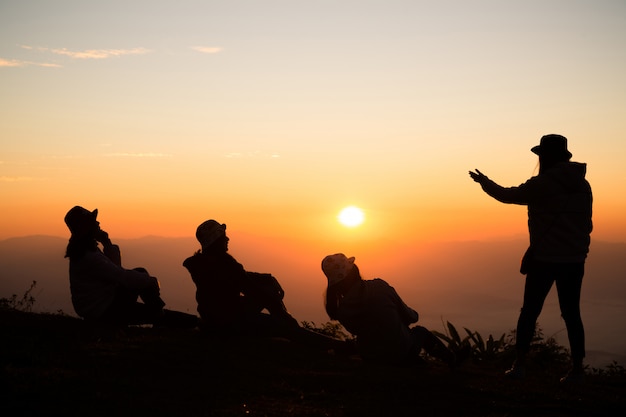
487	350
330	329
548	350
452	337
25	303
613	369
544	350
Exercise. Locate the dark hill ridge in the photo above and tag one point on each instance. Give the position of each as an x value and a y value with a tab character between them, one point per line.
55	365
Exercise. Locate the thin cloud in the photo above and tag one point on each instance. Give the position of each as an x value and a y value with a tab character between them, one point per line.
11	63
14	63
90	53
207	49
99	53
137	155
45	64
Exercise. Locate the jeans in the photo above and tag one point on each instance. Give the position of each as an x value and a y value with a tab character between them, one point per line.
125	308
568	278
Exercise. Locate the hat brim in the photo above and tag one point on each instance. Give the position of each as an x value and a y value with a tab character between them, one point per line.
538	150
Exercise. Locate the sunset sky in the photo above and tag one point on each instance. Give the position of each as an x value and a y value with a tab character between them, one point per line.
273	115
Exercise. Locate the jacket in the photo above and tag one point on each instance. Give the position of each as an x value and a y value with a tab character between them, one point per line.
226	293
559	204
374	312
95	276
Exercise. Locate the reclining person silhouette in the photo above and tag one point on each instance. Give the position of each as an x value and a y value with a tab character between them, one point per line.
373	311
231	300
105	292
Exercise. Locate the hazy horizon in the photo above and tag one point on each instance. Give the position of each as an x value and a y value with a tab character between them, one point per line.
443	281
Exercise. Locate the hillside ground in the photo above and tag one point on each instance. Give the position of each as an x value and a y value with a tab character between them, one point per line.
54	365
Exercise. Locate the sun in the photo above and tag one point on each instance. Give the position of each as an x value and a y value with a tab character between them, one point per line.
351	216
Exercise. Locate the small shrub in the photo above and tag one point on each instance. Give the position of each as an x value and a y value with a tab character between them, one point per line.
25	303
613	369
331	329
548	351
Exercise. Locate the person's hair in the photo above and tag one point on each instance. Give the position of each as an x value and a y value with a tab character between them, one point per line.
77	247
216	247
335	293
548	161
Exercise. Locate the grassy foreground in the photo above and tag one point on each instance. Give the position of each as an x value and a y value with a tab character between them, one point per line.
54	365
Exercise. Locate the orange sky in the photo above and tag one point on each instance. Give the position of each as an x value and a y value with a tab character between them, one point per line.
273	117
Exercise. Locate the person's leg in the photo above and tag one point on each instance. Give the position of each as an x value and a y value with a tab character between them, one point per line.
123	303
536	289
258	324
177	319
126	309
425	339
269	325
537	286
568	285
153	302
152	299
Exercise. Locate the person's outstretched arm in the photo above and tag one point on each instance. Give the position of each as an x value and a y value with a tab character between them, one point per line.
509	195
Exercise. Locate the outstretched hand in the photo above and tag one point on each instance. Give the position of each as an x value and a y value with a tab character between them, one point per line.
478	176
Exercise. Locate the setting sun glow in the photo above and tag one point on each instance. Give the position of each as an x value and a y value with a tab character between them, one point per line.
351	216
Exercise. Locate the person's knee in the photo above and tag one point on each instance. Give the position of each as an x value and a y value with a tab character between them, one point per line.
571	316
530	313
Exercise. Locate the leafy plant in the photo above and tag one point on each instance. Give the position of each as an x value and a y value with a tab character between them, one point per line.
545	350
487	350
452	337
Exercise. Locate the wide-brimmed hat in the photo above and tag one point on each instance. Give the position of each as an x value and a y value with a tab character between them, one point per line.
337	267
553	146
209	231
80	220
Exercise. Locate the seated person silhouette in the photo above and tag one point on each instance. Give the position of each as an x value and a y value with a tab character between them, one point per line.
373	311
105	292
233	301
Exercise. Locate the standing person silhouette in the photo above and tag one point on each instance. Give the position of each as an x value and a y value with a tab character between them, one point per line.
559	201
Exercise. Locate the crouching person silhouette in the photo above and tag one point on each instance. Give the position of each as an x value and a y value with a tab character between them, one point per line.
233	301
105	292
373	311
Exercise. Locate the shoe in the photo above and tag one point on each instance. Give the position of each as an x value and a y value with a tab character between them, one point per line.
516	372
573	377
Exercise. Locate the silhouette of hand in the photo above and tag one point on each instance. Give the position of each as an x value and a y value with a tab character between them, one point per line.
103	237
478	176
